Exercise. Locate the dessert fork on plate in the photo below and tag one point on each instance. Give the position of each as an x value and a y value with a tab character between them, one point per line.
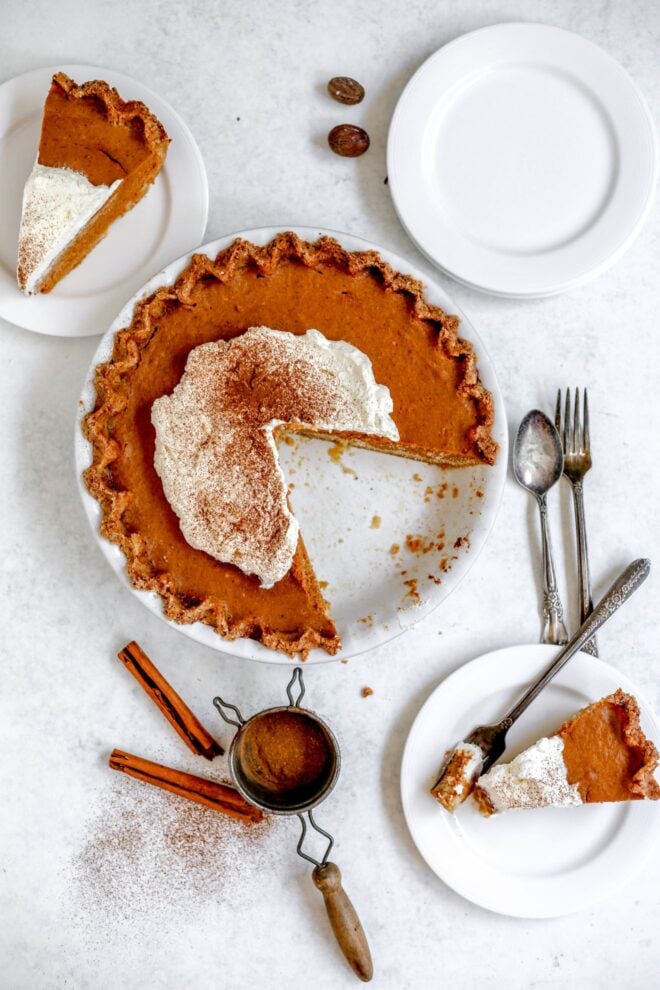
576	443
465	762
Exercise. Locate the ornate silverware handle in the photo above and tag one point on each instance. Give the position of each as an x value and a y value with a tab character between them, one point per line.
624	586
554	630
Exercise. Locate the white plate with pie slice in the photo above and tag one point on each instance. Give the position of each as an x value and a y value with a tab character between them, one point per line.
354	509
167	222
539	863
522	159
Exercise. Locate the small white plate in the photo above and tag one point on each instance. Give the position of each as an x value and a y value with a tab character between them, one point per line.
541	863
522	159
338	509
169	221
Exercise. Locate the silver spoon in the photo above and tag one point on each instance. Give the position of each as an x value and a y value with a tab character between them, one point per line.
538	462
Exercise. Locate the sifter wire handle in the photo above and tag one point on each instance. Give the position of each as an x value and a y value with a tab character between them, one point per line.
220	704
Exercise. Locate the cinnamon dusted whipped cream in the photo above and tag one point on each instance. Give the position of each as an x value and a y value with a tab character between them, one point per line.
215	437
57	204
536	778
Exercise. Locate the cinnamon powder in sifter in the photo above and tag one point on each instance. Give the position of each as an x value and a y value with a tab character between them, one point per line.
285	751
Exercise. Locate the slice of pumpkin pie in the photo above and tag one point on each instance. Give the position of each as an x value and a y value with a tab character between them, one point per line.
599	755
98	155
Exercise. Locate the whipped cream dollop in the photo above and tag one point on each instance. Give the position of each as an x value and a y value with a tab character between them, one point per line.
536	778
216	453
57	204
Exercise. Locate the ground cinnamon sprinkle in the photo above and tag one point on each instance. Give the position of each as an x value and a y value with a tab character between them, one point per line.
150	852
284	751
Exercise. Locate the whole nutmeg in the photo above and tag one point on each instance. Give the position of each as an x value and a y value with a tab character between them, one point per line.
346	90
348	140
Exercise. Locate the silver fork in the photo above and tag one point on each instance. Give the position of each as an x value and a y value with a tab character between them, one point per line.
577	461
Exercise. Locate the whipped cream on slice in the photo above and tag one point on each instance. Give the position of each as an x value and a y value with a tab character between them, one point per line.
57	204
536	778
216	452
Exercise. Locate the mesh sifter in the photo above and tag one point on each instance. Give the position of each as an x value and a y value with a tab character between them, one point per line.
300	800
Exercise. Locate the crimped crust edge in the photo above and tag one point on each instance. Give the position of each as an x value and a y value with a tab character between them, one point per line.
118	110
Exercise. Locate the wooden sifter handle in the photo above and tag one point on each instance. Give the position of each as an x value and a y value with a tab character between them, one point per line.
344	920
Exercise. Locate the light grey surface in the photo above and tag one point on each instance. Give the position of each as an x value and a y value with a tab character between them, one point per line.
65	701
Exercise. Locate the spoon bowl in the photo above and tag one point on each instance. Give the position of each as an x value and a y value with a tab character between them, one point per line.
538	458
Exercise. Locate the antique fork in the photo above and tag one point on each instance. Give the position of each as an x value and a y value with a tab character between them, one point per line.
577	461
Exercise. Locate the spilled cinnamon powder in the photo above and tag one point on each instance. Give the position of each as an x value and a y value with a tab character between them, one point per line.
147	849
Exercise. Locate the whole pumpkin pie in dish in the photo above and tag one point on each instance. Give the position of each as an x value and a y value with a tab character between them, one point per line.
599	755
291	337
98	155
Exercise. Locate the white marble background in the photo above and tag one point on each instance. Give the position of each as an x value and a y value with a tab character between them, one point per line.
64	700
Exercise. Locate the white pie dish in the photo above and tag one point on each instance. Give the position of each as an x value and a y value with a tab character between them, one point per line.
369	601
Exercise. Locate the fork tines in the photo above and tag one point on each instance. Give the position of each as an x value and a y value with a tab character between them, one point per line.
577	439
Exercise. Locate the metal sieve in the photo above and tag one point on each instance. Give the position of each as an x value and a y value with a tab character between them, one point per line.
301	801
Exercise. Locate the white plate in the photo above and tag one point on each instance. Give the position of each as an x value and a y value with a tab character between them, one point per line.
531	864
170	220
522	159
369	600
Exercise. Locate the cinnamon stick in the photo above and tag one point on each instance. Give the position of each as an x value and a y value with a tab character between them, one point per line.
219	797
172	706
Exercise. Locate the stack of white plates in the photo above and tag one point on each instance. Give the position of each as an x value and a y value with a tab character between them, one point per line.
522	160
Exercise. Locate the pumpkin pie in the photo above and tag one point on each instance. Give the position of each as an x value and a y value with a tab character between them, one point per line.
599	755
290	337
98	156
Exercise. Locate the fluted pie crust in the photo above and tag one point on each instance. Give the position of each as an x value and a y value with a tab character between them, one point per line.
443	413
